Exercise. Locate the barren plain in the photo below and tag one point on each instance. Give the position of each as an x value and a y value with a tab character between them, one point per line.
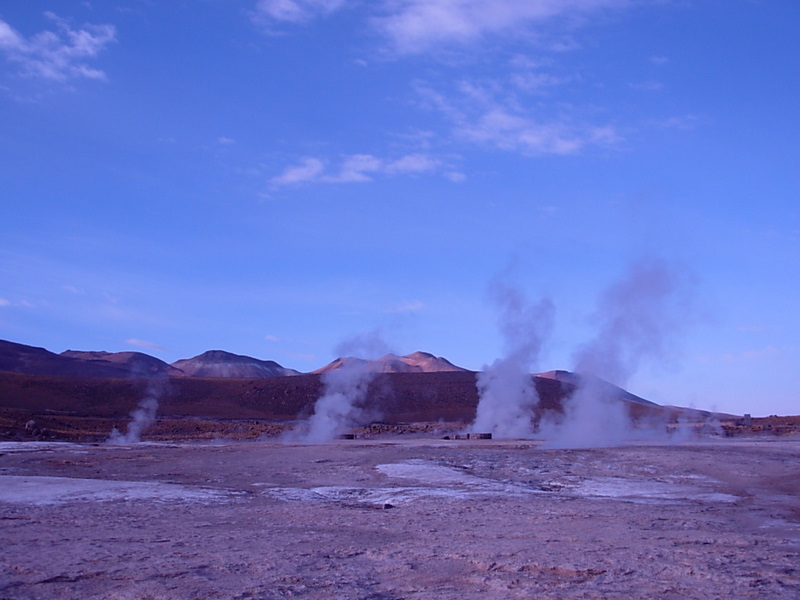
400	517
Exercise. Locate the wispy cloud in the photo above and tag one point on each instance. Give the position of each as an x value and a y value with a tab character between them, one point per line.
651	85
309	169
746	356
497	113
5	302
677	122
356	168
509	131
548	209
409	306
752	328
491	114
56	55
414	26
360	167
295	11
536	81
145	344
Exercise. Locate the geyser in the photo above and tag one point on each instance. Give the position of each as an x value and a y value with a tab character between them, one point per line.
142	417
507	394
635	318
343	403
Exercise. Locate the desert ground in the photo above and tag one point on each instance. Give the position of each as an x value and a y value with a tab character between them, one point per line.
400	517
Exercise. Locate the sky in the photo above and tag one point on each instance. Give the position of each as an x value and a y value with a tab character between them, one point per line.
276	177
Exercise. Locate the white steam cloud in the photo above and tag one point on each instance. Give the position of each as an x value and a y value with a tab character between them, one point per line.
636	317
343	403
141	418
507	394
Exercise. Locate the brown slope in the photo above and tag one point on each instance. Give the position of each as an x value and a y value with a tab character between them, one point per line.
398	397
89	407
219	363
138	364
607	389
279	398
416	362
19	358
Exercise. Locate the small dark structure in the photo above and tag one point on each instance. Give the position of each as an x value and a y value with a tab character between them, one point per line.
471	436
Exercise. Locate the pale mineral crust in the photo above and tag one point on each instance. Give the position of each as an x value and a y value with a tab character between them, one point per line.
400	518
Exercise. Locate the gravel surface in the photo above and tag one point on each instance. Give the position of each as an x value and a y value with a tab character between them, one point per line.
400	518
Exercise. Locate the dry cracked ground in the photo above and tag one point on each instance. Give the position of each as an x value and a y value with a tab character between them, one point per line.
400	518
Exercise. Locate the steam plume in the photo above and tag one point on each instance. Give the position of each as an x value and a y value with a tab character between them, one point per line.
636	317
141	418
342	404
507	394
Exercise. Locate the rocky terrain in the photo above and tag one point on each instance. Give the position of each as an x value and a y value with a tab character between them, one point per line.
416	362
400	518
218	363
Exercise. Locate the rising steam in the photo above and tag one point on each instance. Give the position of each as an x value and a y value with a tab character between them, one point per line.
343	403
507	394
142	417
636	317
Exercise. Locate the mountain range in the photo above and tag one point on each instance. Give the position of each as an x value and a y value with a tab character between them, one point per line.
19	358
83	394
219	364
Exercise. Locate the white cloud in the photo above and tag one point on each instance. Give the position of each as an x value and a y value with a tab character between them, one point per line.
507	131
414	26
490	114
496	112
295	11
21	303
145	344
529	81
8	37
356	168
309	169
57	55
456	176
413	163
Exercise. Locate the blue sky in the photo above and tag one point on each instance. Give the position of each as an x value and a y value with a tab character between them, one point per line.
274	177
